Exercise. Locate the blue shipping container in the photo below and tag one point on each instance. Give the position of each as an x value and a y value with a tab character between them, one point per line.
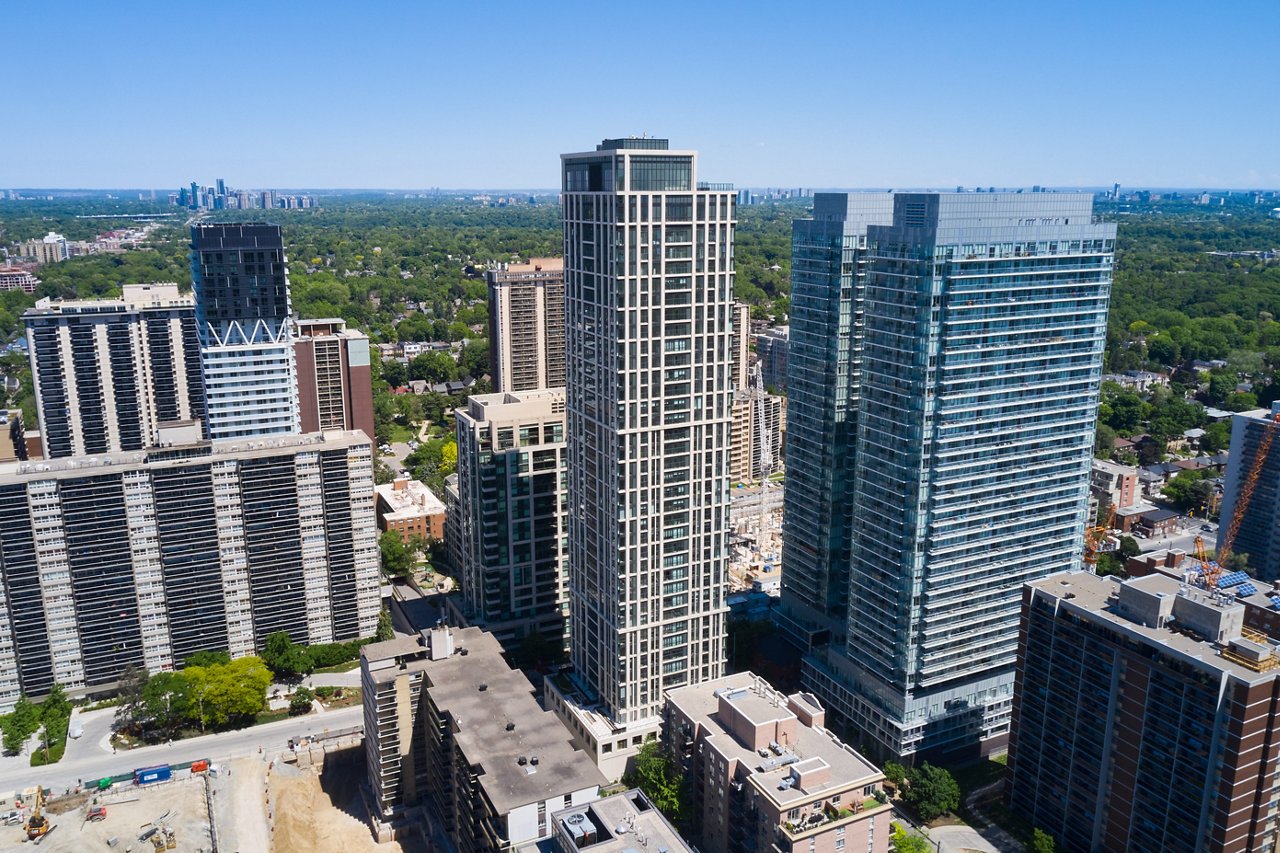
147	775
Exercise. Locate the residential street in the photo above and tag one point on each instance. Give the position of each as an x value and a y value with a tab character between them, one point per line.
90	756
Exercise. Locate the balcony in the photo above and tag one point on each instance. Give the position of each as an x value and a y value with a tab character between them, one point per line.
829	818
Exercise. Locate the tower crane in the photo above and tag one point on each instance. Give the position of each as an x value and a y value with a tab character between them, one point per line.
764	437
1097	541
1212	569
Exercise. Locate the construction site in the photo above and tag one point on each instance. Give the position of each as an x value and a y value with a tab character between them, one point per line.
755	556
302	799
173	814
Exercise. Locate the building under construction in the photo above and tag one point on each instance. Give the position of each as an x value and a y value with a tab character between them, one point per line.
1144	714
1251	497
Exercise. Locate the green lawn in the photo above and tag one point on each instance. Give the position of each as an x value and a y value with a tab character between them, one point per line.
401	434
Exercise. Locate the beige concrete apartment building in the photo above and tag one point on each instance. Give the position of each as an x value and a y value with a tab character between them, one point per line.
766	775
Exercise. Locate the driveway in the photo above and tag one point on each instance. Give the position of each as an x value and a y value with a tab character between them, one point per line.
964	839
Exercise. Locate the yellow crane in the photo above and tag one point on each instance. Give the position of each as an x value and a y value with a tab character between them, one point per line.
1096	540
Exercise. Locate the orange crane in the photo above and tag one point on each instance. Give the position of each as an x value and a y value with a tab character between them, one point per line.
1095	539
1212	569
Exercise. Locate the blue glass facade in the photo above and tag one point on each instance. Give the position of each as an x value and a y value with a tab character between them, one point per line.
828	254
977	390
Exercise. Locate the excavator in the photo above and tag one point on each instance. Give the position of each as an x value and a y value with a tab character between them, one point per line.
37	825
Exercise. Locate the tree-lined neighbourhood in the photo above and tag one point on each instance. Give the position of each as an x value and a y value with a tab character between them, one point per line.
1194	308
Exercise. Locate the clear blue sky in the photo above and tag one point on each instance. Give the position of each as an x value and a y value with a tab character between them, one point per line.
786	93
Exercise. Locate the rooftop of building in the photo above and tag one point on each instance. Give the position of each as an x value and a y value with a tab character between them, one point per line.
535	265
326	327
509	407
1174	617
1114	467
815	763
409	498
180	455
623	823
1178	564
133	297
523	753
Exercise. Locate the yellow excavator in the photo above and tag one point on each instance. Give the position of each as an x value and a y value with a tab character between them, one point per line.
37	824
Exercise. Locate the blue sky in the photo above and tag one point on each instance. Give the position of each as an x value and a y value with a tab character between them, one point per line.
488	94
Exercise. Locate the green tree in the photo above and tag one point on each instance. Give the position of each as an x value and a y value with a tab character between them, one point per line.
386	631
1041	842
1129	547
397	559
166	702
656	773
207	657
1104	441
433	367
1188	490
300	702
284	657
55	704
129	690
474	359
223	694
21	724
903	842
394	373
895	773
1109	564
932	792
1217	437
1240	401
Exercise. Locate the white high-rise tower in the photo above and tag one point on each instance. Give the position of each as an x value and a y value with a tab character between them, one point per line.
649	302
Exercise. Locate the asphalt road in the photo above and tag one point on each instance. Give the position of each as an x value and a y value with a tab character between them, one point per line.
90	757
1184	538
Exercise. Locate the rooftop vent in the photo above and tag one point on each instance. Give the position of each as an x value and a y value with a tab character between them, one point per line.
522	761
511	727
533	760
483	687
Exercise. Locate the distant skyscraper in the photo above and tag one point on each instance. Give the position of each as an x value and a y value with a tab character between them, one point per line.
334	381
243	312
649	303
824	348
985	319
526	325
108	373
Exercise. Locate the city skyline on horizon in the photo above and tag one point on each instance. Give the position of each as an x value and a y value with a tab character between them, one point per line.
935	96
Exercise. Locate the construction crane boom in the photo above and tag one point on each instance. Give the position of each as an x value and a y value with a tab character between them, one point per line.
765	438
1211	570
1095	539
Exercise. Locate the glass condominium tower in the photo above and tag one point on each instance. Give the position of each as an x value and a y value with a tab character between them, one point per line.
828	260
648	295
977	392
